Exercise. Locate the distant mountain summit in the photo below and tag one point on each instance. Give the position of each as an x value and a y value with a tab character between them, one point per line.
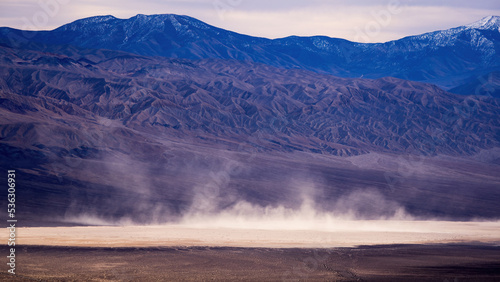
164	35
477	35
136	29
490	22
448	58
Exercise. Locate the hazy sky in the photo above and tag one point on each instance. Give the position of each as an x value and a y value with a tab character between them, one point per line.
364	20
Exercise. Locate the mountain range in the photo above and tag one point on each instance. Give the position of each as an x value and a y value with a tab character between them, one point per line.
135	118
448	58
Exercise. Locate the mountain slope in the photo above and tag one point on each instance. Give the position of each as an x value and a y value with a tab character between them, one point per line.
487	85
231	100
117	137
441	57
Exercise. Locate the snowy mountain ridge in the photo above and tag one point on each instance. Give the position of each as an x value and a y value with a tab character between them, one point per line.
444	57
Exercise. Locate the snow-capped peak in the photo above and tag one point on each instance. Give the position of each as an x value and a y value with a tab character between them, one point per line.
96	19
490	22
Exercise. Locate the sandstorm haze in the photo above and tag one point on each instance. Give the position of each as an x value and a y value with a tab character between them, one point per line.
164	118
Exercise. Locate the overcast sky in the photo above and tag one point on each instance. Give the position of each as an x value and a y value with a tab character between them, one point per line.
363	21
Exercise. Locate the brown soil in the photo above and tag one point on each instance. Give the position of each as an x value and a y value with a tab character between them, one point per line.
446	262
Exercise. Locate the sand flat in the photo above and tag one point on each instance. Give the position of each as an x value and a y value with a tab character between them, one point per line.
346	234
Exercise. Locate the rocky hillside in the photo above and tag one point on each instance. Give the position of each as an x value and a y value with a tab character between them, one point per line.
230	102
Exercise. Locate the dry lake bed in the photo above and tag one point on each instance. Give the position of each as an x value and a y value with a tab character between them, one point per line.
348	251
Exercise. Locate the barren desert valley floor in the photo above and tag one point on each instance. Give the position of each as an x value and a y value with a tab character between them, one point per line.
347	251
